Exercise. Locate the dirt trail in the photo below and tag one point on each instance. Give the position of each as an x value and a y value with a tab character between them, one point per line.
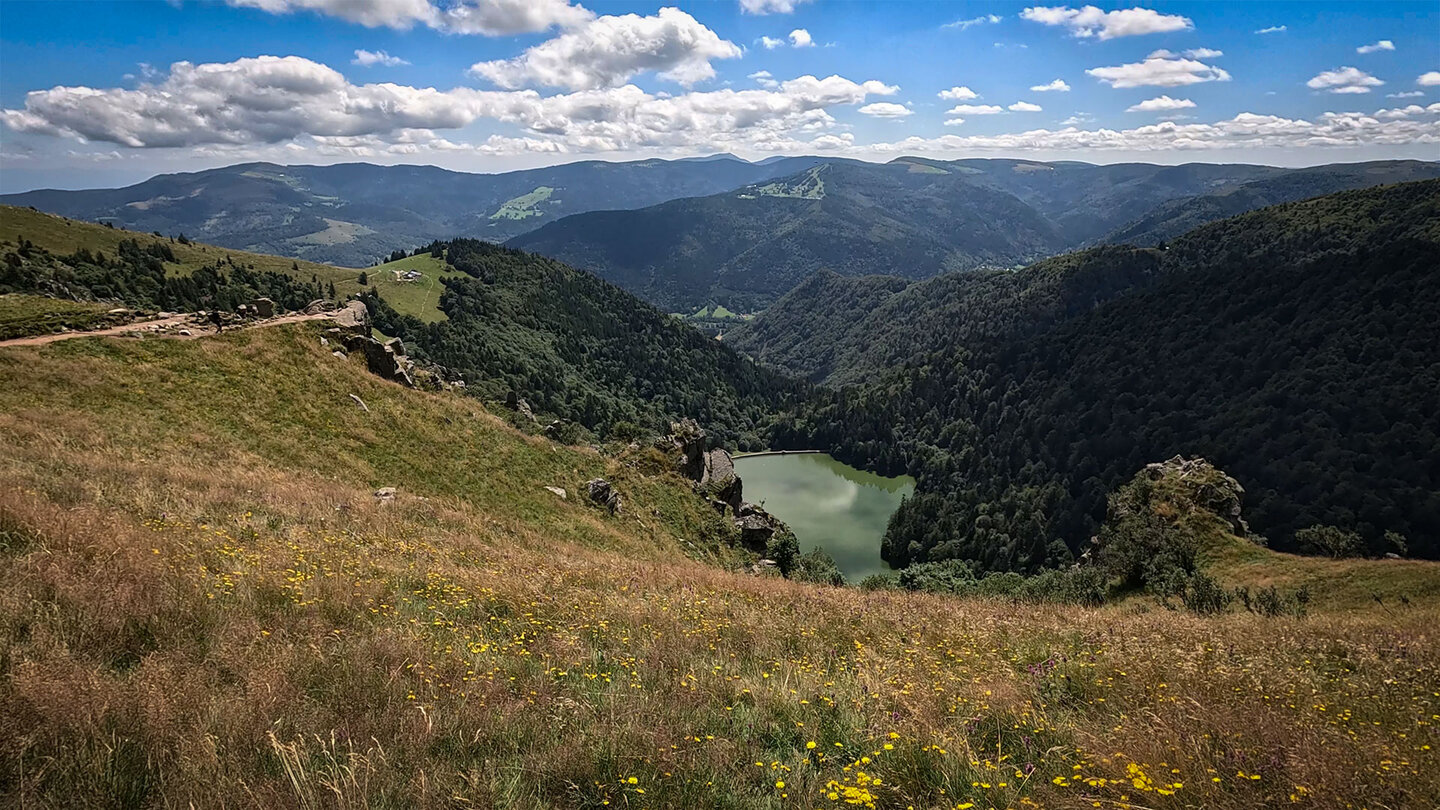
145	327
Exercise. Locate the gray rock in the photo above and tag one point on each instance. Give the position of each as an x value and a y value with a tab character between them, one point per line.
354	317
361	403
318	306
385	494
604	494
264	307
559	491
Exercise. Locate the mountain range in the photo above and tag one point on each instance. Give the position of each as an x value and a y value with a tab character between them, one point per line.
350	214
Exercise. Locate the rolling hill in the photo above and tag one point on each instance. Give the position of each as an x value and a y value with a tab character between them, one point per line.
350	214
202	599
913	218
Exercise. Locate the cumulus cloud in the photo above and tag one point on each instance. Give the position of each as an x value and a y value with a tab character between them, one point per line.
1382	45
886	109
1057	86
1159	69
958	94
975	109
509	17
272	100
770	6
608	51
981	20
1406	94
1203	53
1431	79
1274	29
1344	80
800	38
954	122
1024	106
1411	111
365	58
488	17
1160	104
1089	21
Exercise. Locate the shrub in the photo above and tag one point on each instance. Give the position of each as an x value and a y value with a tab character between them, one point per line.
1330	540
1203	595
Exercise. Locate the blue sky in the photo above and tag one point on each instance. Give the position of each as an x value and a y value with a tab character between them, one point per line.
104	92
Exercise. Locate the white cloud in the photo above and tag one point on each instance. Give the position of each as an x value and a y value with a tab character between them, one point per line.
1024	106
1161	103
365	58
800	38
958	94
1203	53
608	51
1160	69
771	43
1274	29
1408	112
954	122
251	102
1077	119
1058	86
770	6
488	17
1382	45
1430	79
1344	80
886	109
1246	131
509	17
981	20
975	109
764	79
1089	21
1406	94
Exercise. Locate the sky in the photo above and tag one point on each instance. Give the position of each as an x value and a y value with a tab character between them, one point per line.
102	93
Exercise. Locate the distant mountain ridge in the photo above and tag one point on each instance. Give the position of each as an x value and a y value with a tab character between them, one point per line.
350	214
914	218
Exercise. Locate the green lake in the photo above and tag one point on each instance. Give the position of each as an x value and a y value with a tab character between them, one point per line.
827	504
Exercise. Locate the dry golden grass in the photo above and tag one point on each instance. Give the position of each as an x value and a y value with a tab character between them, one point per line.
202	605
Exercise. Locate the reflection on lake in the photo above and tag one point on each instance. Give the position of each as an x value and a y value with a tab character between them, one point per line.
827	504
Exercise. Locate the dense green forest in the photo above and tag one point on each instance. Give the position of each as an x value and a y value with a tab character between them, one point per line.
1294	347
585	351
135	275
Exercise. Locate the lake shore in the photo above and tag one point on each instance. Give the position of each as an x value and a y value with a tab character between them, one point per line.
775	453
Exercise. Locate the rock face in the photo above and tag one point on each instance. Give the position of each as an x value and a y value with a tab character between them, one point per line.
1207	486
602	493
516	403
354	317
756	526
381	358
713	473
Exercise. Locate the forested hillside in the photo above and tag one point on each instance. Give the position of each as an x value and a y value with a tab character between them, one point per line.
1293	347
583	350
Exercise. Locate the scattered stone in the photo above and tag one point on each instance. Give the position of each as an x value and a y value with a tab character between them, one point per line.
559	491
263	307
1390	555
341	355
385	494
324	341
360	402
185	332
318	306
602	493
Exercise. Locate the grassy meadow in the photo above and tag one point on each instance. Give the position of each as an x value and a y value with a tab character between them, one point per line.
202	604
420	298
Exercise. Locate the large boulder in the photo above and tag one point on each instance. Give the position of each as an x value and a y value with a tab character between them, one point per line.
381	358
756	526
690	439
719	481
354	317
264	307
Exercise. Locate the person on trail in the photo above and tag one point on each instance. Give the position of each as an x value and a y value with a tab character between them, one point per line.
216	319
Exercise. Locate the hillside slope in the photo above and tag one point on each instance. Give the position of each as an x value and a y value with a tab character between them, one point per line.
1289	346
352	213
201	600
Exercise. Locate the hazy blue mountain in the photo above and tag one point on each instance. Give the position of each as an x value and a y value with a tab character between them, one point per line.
350	214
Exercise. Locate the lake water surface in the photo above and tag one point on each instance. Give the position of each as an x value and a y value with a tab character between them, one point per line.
827	504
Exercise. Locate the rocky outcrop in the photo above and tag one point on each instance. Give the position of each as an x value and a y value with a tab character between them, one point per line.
517	403
603	493
1206	486
381	358
354	317
756	526
263	307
